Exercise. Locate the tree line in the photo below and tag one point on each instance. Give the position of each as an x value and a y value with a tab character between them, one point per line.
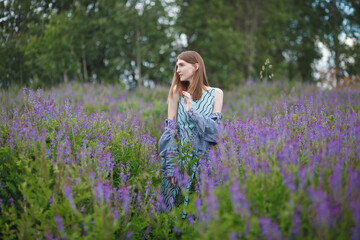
47	42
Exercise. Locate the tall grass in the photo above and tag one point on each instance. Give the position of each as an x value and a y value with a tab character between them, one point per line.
80	161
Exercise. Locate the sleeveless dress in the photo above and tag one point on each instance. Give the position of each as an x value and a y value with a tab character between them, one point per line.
172	195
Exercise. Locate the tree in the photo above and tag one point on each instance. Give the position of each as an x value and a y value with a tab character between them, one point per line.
15	16
331	23
234	37
51	55
137	40
140	45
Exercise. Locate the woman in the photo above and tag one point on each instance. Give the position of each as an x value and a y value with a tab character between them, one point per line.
194	112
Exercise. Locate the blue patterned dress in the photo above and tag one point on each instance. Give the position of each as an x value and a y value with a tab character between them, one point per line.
204	106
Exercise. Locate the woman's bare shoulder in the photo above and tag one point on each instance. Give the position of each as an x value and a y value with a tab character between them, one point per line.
218	92
218	101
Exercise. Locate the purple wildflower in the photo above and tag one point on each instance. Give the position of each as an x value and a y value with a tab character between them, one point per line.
336	182
235	198
107	191
59	225
198	206
147	189
122	174
138	199
151	203
321	206
146	232
185	181
297	222
288	180
116	214
191	220
129	235
355	233
99	193
92	177
302	177
125	197
48	235
269	229
68	109
69	196
160	205
238	199
211	199
177	231
233	236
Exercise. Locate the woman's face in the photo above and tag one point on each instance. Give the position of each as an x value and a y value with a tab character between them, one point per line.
185	70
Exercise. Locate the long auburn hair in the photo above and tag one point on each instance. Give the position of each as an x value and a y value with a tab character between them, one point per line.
199	79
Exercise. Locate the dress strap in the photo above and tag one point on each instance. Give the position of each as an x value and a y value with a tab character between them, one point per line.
212	93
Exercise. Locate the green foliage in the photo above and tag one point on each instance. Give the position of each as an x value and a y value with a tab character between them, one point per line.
33	178
265	73
10	167
52	54
34	172
268	194
134	43
99	40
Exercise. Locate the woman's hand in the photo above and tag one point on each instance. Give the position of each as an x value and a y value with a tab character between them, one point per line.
173	181
187	100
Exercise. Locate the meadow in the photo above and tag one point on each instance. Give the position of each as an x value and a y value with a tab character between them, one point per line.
80	161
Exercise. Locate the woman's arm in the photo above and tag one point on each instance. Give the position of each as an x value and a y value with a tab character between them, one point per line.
172	114
173	105
218	101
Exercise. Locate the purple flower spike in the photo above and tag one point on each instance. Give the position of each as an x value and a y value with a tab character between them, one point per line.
59	225
198	206
138	199
107	191
99	193
69	196
116	214
147	232
191	220
235	196
211	200
49	236
297	221
269	230
321	205
92	177
185	181
68	109
126	198
233	236
238	199
288	180
160	204
129	235
147	189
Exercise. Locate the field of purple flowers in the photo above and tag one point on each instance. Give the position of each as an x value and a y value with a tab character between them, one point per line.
80	161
